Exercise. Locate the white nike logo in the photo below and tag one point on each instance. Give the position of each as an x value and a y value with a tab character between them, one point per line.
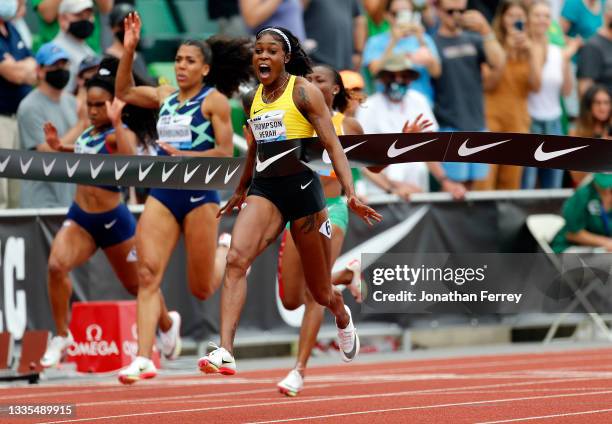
72	169
464	150
261	166
166	175
189	174
326	158
228	176
196	199
210	176
48	168
25	167
304	186
4	163
142	174
119	172
110	224
394	152
542	156
95	171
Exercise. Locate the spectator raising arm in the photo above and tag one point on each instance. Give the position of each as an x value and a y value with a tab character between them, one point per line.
255	12
360	35
494	53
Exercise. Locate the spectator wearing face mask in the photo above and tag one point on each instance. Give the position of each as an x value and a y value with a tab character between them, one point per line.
49	102
76	21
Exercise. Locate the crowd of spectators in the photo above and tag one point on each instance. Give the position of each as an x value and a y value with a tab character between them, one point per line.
536	66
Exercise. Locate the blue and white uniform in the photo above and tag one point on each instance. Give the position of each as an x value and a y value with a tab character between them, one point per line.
106	228
185	128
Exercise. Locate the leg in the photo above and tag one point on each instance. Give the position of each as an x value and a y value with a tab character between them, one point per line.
291	275
156	235
72	247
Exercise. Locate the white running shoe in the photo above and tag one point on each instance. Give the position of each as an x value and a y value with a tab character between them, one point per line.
141	368
56	350
348	339
217	361
292	384
355	287
170	341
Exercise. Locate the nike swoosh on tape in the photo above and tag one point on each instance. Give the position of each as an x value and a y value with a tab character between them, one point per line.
307	184
119	172
142	174
325	155
110	224
464	150
25	166
261	166
166	175
210	176
72	169
394	152
48	168
95	171
5	163
189	174
542	156
228	176
196	199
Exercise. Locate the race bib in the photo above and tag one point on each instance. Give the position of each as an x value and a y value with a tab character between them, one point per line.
269	126
175	130
84	149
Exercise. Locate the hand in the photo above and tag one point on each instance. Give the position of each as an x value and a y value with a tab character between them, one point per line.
572	47
422	56
114	110
171	150
236	201
362	210
473	20
457	190
406	190
521	41
132	26
417	126
9	59
51	136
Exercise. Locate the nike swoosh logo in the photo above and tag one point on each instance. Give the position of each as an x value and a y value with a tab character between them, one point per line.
307	184
228	176
261	166
110	224
351	354
95	171
166	175
189	174
394	152
210	176
542	156
196	199
143	174
72	169
119	172
464	150
257	111
326	158
48	168
25	166
5	163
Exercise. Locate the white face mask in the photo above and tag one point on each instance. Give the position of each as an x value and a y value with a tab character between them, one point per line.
8	9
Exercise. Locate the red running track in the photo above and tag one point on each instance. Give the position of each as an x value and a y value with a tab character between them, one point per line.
560	387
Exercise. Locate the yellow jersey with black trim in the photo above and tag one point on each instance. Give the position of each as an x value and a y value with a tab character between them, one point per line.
338	121
279	120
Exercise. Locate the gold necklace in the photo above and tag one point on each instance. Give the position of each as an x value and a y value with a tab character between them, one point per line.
266	97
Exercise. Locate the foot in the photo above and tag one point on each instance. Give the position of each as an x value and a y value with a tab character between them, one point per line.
355	287
292	384
348	339
218	361
56	350
141	368
170	341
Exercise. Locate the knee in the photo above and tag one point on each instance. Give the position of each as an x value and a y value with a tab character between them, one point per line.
202	293
322	296
237	264
147	276
291	304
57	269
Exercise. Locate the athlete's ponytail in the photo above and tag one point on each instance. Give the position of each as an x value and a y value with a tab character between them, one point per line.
299	62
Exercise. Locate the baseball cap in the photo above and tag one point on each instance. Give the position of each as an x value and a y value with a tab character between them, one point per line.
88	63
603	180
399	63
352	80
50	53
119	13
74	6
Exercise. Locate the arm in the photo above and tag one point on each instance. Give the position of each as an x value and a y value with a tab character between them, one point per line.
586	238
255	12
537	58
431	60
48	10
360	35
18	71
124	140
105	6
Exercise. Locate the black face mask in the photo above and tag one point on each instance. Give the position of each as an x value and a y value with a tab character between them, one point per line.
81	29
58	78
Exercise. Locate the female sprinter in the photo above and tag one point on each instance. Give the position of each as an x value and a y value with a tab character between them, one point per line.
295	108
194	121
293	287
97	217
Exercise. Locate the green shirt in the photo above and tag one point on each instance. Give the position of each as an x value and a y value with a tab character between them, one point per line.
582	211
555	34
47	32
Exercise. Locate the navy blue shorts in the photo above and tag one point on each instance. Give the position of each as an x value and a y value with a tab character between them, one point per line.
181	202
106	228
